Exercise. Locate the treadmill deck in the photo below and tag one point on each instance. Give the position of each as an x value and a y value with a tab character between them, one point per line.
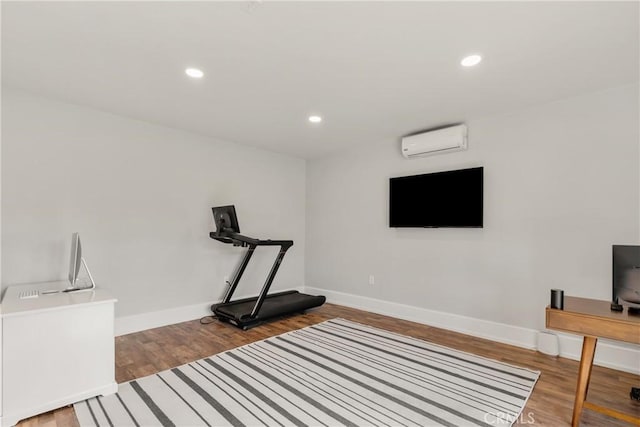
280	304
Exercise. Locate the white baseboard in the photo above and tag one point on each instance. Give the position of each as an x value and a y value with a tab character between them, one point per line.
155	319
494	331
609	354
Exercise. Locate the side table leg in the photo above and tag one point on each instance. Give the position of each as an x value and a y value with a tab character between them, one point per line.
584	375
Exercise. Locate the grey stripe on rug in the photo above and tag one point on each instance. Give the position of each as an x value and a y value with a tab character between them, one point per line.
334	373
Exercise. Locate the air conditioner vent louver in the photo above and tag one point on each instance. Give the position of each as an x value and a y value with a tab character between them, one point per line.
439	141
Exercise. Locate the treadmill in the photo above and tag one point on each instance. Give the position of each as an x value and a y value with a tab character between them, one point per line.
249	312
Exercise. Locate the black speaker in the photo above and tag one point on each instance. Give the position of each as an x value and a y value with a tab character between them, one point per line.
557	299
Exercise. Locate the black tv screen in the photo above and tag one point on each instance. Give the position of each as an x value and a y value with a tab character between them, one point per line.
442	199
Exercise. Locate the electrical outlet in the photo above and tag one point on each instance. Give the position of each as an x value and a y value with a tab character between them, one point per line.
372	279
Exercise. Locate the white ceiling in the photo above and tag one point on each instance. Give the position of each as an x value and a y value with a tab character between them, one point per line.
374	70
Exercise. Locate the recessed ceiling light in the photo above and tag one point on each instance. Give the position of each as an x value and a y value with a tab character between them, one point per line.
315	119
471	60
194	72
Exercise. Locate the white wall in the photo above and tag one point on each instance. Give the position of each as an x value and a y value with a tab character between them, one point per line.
561	186
141	196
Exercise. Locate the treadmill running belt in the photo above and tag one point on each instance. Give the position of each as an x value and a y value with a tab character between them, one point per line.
274	305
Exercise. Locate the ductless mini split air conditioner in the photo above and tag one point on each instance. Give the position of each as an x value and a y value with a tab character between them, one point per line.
439	141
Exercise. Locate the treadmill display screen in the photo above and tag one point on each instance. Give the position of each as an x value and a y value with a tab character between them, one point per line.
225	219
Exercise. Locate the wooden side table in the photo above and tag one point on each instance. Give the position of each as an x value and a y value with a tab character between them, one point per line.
593	319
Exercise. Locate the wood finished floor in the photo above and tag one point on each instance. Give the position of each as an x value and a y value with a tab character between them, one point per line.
551	403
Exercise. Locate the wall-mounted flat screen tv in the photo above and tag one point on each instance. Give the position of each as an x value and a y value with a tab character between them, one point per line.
441	199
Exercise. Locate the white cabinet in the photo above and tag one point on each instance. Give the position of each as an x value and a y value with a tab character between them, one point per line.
57	349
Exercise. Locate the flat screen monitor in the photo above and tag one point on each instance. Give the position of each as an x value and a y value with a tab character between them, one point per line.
75	259
442	199
77	283
225	219
626	275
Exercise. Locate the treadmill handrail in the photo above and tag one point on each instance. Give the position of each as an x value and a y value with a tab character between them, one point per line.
230	237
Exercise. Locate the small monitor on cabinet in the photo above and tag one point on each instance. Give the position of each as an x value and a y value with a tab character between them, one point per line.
76	261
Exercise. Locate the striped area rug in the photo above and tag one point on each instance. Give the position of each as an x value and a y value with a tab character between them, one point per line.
334	373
